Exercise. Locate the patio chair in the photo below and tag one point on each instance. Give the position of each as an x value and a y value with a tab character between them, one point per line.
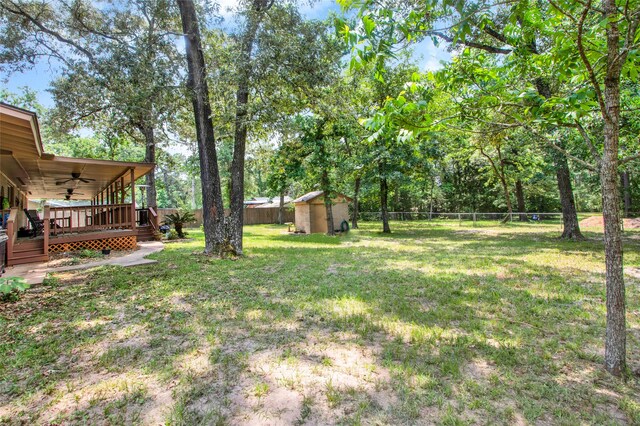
37	224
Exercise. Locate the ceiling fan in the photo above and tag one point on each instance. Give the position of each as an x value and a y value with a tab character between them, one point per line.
69	193
75	177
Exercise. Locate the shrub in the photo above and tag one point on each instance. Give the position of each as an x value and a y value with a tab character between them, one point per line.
51	281
11	287
178	220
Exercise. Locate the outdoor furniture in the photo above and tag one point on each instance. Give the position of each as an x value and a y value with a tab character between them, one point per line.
37	224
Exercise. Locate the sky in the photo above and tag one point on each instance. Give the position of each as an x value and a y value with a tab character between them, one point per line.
39	77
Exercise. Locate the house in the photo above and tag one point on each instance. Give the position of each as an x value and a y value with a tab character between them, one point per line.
255	201
266	202
274	203
311	213
108	218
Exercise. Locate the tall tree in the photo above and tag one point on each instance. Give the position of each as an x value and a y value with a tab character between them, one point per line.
212	207
618	44
120	64
275	77
254	15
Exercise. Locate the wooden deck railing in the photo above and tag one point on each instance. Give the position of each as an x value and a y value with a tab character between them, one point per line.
153	218
65	220
12	231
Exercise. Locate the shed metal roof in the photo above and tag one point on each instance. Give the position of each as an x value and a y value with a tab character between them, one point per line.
315	194
308	197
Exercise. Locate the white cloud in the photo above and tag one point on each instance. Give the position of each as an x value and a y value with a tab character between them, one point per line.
429	56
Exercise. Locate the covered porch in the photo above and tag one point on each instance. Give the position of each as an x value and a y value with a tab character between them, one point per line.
98	208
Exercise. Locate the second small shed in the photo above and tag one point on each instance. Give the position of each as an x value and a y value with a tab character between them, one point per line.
311	214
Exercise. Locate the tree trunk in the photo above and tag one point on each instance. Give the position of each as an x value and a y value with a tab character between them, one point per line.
507	197
212	207
569	214
626	188
324	182
522	209
281	209
384	193
500	174
615	339
329	210
571	229
356	206
150	157
236	197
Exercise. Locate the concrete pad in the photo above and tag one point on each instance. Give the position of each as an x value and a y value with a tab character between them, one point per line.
34	273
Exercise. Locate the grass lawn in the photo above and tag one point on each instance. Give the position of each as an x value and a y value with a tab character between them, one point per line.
433	324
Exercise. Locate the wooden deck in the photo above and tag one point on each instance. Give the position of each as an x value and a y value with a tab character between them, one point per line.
116	232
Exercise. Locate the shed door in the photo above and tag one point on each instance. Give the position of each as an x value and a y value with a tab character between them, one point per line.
318	218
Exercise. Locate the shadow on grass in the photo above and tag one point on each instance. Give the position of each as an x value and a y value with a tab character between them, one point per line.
458	321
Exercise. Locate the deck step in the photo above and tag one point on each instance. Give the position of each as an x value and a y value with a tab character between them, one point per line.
30	252
26	245
19	260
145	233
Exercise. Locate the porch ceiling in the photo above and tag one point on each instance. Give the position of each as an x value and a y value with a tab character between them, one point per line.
47	173
36	173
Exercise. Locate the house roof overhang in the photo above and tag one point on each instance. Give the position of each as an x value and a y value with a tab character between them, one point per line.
40	175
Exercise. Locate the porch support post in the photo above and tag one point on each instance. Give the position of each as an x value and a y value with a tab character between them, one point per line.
47	224
93	213
122	189
12	230
133	199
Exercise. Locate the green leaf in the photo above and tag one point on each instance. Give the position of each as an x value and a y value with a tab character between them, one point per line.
369	24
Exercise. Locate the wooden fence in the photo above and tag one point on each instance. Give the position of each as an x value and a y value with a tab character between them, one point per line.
251	216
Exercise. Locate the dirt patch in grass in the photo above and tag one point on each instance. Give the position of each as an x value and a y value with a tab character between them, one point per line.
598	221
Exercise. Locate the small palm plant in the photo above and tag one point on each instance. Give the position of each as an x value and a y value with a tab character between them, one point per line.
178	220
